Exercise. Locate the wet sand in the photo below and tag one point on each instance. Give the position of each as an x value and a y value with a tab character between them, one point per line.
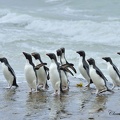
76	104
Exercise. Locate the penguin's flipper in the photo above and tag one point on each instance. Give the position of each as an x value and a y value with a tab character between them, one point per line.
101	74
73	69
70	65
86	67
65	65
46	85
40	65
46	68
11	70
66	70
14	82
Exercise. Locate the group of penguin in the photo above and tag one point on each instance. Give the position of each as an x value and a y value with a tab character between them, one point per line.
37	73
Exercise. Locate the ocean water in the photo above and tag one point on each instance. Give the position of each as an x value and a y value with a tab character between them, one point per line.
46	25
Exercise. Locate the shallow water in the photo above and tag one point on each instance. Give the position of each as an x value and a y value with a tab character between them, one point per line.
77	103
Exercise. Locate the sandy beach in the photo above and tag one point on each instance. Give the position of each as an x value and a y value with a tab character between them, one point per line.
77	103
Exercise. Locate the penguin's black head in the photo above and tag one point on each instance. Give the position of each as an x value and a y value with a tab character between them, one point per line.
107	59
81	53
36	55
59	52
63	50
27	56
52	56
91	61
118	53
3	60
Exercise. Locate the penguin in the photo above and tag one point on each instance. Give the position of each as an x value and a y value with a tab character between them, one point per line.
64	77
98	77
55	75
113	72
63	66
84	67
42	72
64	61
30	72
8	72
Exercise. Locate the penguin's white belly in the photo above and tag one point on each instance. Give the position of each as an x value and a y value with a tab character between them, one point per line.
54	75
7	74
63	61
113	75
30	76
42	77
84	73
64	79
97	80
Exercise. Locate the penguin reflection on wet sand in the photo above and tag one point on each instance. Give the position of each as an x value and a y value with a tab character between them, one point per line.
113	72
42	72
97	77
8	72
84	67
64	61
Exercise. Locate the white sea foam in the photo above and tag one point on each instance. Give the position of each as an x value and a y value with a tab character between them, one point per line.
77	30
80	30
